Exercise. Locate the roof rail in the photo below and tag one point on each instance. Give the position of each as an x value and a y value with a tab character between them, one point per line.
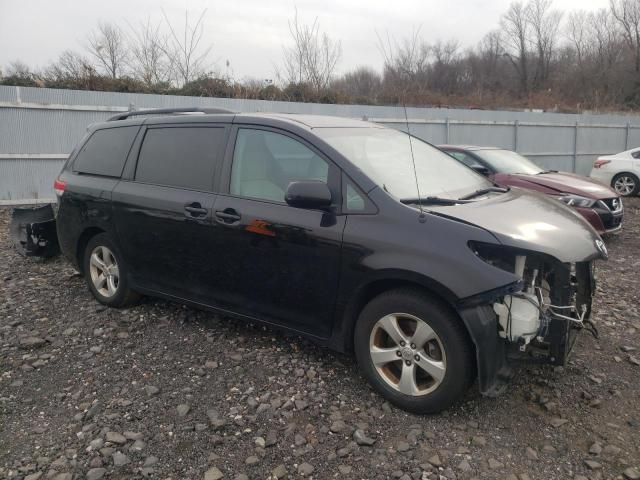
168	111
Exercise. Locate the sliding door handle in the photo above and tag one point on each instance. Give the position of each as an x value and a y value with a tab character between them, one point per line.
228	216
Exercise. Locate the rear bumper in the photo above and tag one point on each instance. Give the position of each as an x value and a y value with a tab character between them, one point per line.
33	231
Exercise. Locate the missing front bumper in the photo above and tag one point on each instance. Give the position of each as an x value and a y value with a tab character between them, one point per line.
495	355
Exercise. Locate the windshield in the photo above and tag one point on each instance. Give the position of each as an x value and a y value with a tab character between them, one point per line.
506	161
385	156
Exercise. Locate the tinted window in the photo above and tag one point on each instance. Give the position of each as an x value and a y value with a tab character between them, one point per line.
106	151
180	156
264	163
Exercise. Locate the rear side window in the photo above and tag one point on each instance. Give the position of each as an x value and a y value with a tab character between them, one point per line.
105	152
180	156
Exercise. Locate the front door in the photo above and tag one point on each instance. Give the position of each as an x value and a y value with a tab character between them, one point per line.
280	263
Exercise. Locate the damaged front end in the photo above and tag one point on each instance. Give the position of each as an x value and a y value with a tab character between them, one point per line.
540	322
33	231
536	320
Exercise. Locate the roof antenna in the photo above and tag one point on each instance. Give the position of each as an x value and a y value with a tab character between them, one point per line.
422	217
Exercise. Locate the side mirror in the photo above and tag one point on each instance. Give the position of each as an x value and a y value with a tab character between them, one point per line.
481	169
309	194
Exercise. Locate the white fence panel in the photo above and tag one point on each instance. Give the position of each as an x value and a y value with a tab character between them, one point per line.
39	127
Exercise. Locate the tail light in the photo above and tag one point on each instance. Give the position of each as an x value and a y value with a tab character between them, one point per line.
59	187
599	163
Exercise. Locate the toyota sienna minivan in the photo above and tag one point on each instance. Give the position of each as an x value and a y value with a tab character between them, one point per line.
359	237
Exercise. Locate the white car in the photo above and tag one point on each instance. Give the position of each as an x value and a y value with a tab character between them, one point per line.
621	171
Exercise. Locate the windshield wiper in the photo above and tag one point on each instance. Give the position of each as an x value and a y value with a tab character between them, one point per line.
483	191
432	201
547	171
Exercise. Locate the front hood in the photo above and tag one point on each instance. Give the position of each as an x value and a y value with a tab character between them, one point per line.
531	221
563	182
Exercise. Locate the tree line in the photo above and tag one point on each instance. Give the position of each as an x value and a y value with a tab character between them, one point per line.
539	57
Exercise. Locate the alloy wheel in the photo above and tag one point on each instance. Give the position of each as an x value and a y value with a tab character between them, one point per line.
624	185
104	271
407	354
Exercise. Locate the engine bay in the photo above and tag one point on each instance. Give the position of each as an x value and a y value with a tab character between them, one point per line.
540	322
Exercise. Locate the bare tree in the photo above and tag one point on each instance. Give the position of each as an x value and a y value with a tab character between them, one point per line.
148	59
545	26
577	32
20	74
189	58
107	46
491	48
607	37
18	68
445	69
363	83
486	65
71	65
313	57
408	58
516	36
608	55
627	14
405	63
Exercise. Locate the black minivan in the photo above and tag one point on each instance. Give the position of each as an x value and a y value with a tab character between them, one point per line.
362	238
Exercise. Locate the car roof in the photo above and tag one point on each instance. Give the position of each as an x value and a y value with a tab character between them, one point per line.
468	147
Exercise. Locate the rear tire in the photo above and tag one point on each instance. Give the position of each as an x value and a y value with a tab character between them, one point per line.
626	184
106	273
414	351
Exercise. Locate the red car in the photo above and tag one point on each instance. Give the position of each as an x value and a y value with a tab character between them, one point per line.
599	204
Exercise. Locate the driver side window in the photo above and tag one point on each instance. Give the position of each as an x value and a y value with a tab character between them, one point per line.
264	163
463	157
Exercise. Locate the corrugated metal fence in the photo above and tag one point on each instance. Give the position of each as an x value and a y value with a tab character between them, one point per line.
39	127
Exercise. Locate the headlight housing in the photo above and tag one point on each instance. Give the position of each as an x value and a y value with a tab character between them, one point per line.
576	200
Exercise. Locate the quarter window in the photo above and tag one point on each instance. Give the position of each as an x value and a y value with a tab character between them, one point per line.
105	153
264	163
354	200
180	156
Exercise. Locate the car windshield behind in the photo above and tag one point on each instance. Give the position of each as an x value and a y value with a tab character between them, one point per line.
385	156
506	161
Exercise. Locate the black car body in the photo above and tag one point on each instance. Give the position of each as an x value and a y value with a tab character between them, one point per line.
199	209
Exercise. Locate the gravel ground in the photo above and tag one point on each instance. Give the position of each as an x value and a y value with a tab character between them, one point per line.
163	391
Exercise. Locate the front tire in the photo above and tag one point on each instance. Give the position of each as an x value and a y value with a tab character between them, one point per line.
414	351
106	273
626	184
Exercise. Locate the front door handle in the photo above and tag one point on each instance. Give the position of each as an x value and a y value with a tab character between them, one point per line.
194	209
227	216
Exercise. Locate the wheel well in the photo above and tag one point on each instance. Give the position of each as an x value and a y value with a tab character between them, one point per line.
87	235
632	174
373	289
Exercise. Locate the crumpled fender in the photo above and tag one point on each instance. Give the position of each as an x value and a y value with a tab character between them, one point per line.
33	231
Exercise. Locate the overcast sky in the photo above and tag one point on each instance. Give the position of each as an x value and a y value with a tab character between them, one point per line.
250	33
